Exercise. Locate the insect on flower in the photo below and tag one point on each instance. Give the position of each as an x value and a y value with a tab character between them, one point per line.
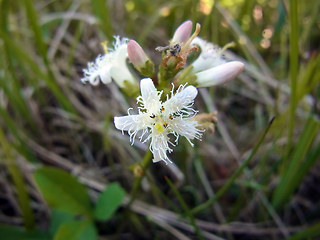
173	50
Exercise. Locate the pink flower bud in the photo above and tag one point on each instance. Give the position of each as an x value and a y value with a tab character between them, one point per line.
183	32
136	54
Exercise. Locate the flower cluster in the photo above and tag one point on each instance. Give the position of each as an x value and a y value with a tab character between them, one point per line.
165	111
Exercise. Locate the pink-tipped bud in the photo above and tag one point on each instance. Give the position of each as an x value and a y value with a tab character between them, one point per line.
139	59
136	54
220	74
182	33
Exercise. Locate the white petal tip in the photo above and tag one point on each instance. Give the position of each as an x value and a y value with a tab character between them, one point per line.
192	90
147	87
146	81
117	122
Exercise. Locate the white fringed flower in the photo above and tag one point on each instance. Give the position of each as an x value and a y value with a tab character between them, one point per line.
111	65
157	119
209	57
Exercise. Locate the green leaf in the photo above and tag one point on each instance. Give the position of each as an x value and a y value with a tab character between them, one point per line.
14	233
108	201
58	218
77	230
62	191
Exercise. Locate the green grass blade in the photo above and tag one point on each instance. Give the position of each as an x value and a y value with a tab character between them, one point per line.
310	78
293	38
16	99
35	27
21	146
9	83
42	48
233	178
23	197
288	179
23	56
310	233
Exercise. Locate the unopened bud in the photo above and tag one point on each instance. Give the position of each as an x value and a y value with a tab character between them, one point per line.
220	74
139	59
182	33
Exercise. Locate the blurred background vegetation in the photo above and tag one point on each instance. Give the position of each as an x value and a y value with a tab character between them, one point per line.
67	173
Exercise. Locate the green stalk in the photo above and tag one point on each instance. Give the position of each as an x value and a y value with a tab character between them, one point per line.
23	198
293	11
136	185
231	181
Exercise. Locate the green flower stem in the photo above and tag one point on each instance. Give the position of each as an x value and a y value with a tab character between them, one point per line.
147	159
208	203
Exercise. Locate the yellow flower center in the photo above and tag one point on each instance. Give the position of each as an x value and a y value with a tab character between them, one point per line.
160	128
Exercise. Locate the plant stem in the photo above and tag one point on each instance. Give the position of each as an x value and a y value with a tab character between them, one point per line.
136	185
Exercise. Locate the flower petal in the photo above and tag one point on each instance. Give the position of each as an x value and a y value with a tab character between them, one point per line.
147	88
186	128
120	75
182	99
209	57
159	147
119	70
129	123
98	70
150	97
220	74
133	124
